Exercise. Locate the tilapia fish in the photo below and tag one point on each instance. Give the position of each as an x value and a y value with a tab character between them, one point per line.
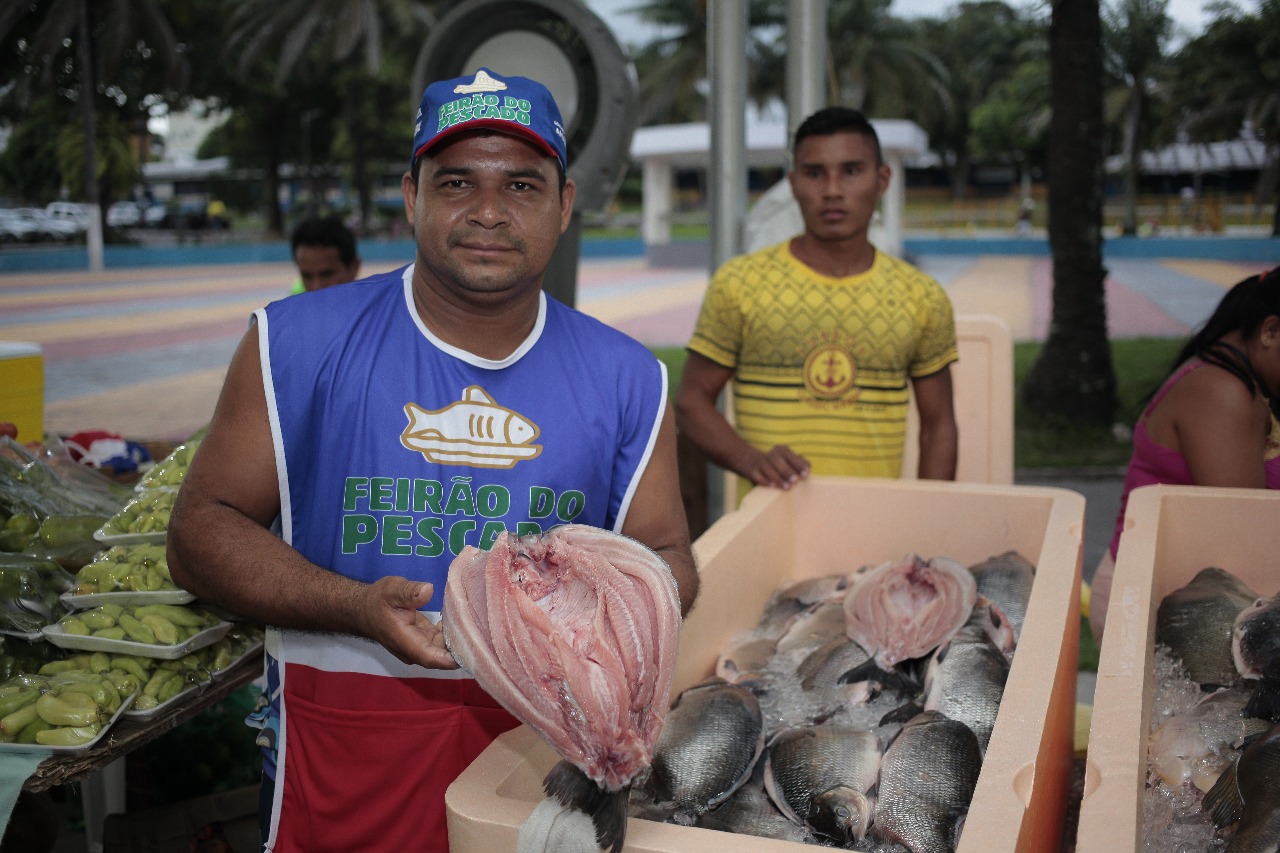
819	777
575	634
795	598
750	812
1255	648
1007	579
709	744
927	778
965	681
903	610
744	659
1247	793
1196	621
1196	747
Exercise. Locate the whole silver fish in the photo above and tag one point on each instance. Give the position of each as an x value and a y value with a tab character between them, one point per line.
927	779
795	598
819	777
750	812
1007	579
965	681
814	627
1248	792
710	741
745	658
1255	648
1196	622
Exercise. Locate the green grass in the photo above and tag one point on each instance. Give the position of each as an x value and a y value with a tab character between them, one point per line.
1140	365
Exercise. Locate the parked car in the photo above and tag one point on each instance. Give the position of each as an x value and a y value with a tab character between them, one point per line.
69	211
15	229
124	214
50	229
156	216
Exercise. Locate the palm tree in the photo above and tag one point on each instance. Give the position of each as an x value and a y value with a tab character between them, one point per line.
981	44
673	67
875	63
343	39
1072	380
94	38
1227	82
1135	34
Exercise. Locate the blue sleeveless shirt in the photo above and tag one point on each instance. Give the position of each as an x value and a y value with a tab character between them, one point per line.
395	449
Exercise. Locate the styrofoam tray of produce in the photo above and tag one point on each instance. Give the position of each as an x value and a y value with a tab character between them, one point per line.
80	642
830	524
1171	533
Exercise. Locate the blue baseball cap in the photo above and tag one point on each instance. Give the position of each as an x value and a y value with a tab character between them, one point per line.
515	105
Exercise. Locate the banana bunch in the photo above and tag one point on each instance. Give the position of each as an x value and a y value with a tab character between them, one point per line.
152	624
147	513
126	568
64	708
170	471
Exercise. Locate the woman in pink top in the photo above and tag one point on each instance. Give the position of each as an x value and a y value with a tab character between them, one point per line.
1214	420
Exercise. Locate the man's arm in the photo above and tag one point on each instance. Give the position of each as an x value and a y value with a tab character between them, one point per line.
699	419
939	435
656	518
221	549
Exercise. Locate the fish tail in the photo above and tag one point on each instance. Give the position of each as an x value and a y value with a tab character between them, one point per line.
572	788
1223	799
1264	701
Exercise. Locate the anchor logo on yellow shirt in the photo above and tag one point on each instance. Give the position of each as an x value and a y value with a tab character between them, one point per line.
473	431
829	371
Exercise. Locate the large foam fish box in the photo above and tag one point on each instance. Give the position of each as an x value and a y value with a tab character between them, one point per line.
1171	533
827	525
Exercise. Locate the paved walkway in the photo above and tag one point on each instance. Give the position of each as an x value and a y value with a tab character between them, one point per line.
142	352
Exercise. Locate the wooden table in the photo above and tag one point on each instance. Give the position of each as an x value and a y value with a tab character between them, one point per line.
126	735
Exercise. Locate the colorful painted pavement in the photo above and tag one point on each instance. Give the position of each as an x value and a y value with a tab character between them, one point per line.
142	352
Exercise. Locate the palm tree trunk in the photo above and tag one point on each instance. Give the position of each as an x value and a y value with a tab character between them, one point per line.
1132	120
1072	380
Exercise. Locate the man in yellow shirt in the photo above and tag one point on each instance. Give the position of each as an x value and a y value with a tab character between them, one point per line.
824	336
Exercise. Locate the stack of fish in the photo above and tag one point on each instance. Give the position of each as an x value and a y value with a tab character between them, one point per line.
1220	754
855	714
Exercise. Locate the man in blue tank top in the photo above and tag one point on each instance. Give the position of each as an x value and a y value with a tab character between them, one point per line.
385	426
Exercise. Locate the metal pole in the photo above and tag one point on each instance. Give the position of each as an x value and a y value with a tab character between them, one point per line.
806	60
727	164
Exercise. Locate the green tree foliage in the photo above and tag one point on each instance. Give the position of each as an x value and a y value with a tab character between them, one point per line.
1227	81
29	168
981	45
673	67
1136	34
876	63
102	55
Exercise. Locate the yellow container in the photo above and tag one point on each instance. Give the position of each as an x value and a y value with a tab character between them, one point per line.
1171	533
22	388
831	524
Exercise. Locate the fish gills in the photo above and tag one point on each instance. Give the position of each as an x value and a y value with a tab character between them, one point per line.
927	779
709	744
1196	621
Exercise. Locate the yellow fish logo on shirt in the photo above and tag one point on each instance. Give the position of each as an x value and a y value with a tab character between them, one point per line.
473	431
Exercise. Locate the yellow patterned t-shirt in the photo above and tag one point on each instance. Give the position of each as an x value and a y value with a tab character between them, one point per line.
823	364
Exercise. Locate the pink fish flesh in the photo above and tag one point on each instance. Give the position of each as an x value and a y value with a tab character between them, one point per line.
903	610
573	632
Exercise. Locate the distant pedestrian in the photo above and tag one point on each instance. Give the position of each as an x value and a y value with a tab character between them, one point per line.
324	251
